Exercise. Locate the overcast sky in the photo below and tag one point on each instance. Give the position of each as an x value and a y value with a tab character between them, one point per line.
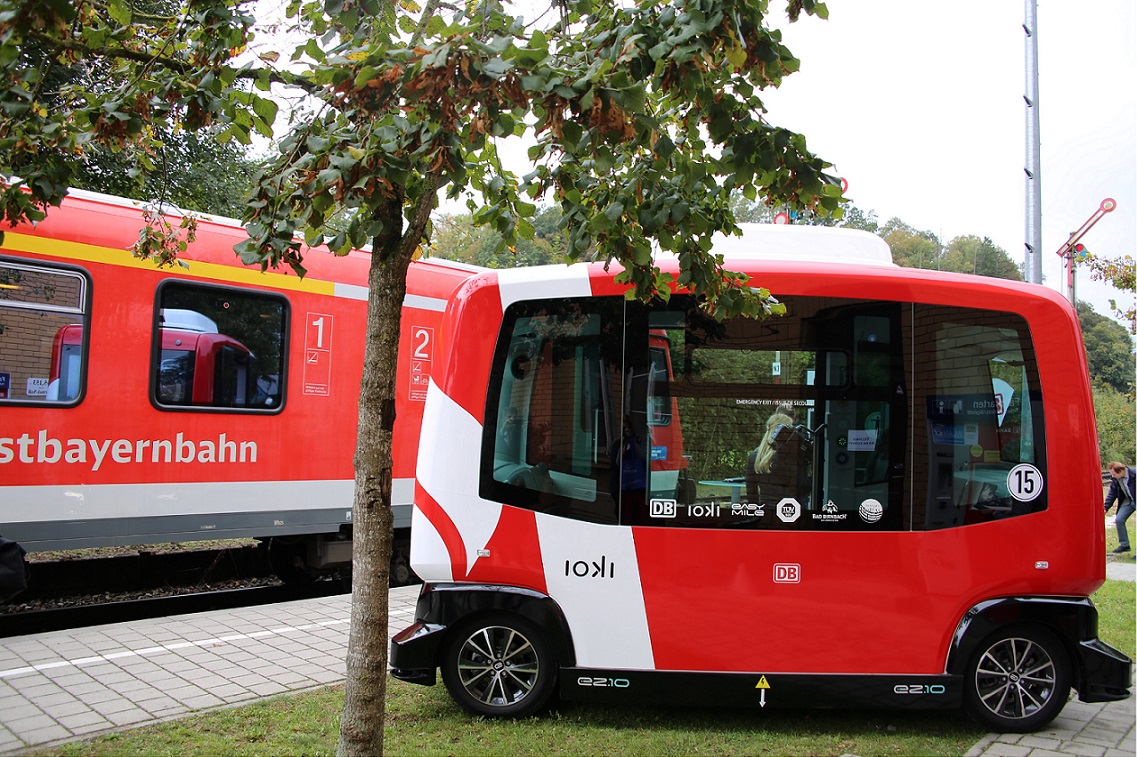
919	105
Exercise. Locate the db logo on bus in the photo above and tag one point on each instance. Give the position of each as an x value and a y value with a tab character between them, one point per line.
787	573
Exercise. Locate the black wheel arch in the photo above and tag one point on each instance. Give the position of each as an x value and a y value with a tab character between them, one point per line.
443	606
1073	620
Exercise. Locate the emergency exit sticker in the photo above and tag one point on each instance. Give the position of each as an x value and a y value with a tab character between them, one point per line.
422	356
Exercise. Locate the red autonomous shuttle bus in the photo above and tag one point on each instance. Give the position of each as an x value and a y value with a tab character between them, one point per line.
140	405
890	496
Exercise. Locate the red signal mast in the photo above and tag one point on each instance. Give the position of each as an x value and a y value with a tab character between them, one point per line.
1073	250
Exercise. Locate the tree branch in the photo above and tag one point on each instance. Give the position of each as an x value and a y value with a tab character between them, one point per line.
173	65
427	202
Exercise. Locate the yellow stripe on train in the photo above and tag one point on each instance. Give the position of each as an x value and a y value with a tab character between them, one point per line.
235	274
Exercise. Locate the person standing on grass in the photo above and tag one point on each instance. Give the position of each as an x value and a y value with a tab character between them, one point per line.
1121	491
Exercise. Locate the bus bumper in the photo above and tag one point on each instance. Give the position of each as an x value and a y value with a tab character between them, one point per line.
1108	672
414	653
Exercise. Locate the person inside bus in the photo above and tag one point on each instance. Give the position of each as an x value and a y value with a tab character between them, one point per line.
1121	491
779	466
628	455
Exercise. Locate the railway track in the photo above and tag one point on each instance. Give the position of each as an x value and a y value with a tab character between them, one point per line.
73	592
81	615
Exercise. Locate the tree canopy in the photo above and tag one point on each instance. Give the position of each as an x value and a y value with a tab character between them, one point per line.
645	118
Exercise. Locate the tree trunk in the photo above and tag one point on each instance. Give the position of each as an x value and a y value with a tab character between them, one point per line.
361	728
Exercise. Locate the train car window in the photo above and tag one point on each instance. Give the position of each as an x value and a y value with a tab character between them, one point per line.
44	325
219	348
980	417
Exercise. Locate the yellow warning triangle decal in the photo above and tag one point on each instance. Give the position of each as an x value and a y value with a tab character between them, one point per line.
762	684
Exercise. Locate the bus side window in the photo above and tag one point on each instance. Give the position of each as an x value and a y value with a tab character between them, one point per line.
553	409
983	418
217	347
793	423
43	332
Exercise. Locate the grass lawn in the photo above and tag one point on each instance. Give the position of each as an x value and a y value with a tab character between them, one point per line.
423	721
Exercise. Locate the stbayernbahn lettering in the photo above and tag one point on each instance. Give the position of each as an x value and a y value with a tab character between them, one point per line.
43	448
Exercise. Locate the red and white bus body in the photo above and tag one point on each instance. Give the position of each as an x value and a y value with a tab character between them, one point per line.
951	492
171	427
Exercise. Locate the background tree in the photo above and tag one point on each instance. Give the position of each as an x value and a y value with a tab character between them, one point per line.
982	257
647	118
458	238
192	170
1109	349
1120	273
1117	434
910	247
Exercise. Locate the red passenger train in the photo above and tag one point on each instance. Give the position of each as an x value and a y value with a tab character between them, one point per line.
202	401
889	496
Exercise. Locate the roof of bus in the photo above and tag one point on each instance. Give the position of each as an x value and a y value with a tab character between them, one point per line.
804	244
793	259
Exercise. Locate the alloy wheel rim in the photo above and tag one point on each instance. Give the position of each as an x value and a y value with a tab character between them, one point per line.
498	666
1015	678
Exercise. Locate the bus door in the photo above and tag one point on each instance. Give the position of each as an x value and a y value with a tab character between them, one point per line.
861	410
793	431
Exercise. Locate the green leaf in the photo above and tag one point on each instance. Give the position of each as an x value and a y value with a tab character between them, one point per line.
120	12
435	26
572	133
266	109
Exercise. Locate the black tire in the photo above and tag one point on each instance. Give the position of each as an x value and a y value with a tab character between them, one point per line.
497	665
1018	680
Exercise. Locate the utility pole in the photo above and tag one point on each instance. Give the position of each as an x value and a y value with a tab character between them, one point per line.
1032	267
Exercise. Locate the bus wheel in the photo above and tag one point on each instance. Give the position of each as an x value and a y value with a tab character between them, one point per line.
497	665
1018	680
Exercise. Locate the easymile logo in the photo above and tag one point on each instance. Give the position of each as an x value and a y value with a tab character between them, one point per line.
919	688
603	683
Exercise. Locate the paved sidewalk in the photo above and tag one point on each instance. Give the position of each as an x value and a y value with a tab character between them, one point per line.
65	685
1090	730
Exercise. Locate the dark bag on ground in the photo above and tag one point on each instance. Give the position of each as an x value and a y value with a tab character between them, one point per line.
13	569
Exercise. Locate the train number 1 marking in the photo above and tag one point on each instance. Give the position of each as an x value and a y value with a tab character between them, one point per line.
318	354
